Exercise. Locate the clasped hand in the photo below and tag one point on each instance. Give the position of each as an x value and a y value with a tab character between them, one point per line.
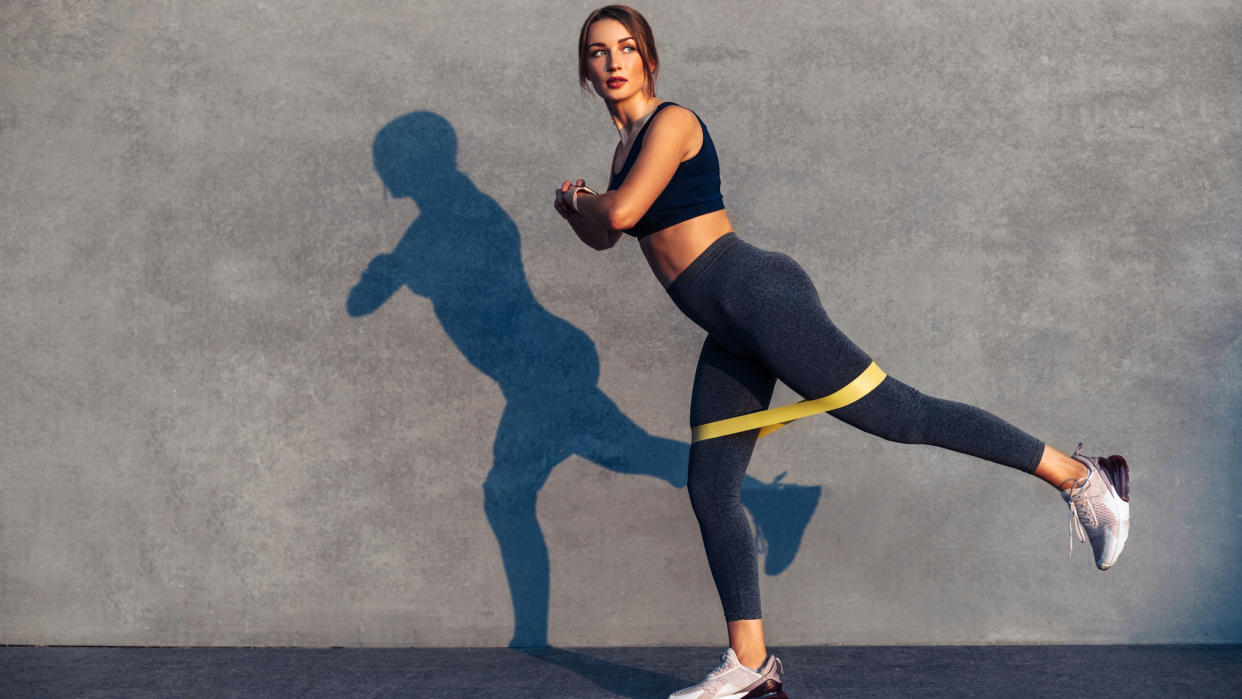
564	200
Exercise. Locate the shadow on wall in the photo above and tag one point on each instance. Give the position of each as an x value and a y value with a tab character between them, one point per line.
463	253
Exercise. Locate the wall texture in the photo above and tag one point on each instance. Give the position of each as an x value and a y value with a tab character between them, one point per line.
249	399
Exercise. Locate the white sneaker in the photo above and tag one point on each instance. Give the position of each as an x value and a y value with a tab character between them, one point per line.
733	680
1099	507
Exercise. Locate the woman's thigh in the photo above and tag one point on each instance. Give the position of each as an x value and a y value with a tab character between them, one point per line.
791	333
727	384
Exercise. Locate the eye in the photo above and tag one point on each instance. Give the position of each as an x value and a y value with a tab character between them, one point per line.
597	53
629	49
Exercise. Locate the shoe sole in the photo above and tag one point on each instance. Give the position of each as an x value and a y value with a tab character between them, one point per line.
770	689
757	694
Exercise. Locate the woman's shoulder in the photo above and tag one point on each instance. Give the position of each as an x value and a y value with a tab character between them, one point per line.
682	112
674	117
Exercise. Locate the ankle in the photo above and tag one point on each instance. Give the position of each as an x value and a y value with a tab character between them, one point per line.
1078	474
752	659
746	640
1060	471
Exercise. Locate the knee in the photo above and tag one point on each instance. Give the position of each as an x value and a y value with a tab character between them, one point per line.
698	490
912	429
894	411
709	494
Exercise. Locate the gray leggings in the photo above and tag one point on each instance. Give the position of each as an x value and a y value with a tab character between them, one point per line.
765	322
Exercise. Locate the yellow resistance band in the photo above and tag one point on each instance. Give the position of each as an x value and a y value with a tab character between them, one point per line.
769	421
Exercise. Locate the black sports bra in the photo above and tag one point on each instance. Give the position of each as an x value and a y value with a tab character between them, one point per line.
693	191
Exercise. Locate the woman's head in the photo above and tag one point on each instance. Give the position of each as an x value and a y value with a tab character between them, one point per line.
636	28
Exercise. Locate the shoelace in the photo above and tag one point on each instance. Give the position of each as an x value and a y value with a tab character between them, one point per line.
714	675
714	682
1080	499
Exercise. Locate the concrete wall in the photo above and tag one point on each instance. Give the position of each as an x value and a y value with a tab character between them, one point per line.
217	430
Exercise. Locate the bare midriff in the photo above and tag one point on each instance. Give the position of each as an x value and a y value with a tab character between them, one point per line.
670	251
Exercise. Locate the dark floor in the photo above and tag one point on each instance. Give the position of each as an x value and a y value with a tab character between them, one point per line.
822	671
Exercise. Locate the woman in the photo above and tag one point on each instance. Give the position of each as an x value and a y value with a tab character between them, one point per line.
765	322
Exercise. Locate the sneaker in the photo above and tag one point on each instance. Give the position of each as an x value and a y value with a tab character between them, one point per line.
733	680
1099	506
781	512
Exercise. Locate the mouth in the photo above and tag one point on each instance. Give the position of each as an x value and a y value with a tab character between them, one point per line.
615	82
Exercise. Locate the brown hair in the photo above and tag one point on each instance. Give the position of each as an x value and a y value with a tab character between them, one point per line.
638	28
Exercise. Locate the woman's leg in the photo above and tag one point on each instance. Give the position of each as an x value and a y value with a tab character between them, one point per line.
792	334
780	315
727	384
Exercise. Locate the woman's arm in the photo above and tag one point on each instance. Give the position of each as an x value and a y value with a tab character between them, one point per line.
673	135
586	229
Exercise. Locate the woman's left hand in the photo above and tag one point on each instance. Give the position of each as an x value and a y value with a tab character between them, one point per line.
564	199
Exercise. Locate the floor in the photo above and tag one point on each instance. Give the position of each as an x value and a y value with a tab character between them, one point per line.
819	671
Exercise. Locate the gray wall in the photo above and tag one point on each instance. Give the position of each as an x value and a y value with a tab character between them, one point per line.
1034	207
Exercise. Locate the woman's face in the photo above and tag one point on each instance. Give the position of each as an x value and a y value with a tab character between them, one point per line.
614	65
